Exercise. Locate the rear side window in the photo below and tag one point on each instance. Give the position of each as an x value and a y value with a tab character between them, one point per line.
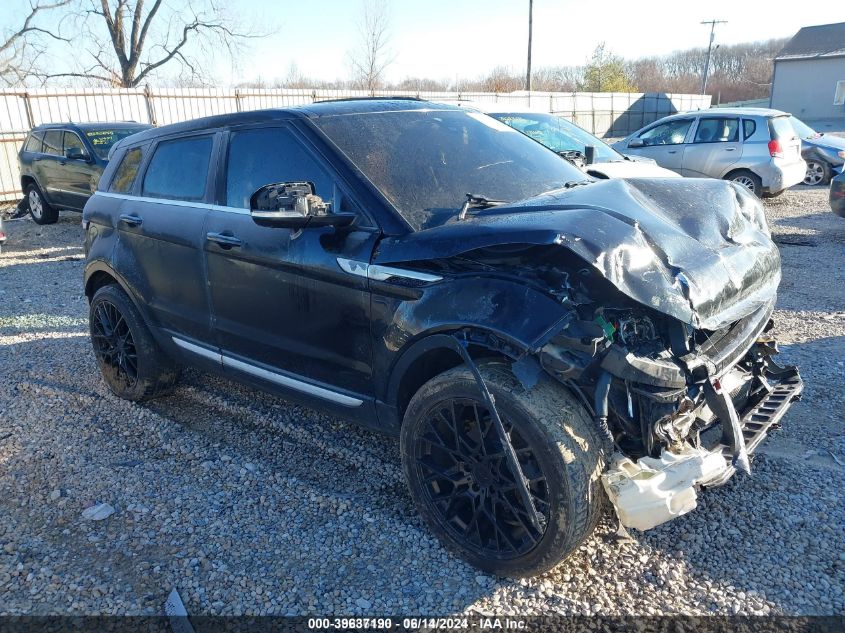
179	169
124	176
261	157
33	142
748	128
717	130
781	128
53	142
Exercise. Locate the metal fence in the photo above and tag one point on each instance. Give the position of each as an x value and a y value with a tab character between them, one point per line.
607	114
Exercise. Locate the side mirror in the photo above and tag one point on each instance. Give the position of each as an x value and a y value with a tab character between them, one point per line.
293	205
76	153
636	142
589	154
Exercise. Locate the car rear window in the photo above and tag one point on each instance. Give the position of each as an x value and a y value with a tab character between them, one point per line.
124	177
179	169
781	128
33	142
53	142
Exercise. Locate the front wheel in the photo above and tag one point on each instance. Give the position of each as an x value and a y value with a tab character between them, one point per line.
818	173
132	364
464	488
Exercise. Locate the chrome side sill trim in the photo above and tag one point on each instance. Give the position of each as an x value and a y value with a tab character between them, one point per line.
271	376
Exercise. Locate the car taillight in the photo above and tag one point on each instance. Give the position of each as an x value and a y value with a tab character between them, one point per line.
775	148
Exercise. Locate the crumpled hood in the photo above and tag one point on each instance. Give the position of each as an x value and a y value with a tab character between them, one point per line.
631	169
698	250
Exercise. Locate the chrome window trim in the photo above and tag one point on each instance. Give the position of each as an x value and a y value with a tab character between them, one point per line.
271	376
169	201
382	273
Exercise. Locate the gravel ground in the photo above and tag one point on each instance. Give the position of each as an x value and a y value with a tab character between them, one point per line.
250	505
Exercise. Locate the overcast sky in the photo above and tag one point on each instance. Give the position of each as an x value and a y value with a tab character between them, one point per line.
443	39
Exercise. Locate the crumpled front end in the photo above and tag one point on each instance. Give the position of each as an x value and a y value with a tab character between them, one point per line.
683	407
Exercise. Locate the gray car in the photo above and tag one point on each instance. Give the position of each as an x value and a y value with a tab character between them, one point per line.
825	154
755	147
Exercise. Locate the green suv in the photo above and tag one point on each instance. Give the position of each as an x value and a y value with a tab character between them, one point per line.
61	164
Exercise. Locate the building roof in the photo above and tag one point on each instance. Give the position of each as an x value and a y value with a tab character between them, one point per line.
813	42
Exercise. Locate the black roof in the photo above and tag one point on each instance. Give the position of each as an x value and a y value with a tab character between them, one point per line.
97	125
314	110
812	42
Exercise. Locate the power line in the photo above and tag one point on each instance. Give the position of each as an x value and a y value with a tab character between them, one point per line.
712	24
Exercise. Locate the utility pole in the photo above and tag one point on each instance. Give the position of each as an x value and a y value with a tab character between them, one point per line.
712	24
530	27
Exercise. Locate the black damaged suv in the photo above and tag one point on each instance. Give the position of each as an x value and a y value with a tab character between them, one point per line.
541	343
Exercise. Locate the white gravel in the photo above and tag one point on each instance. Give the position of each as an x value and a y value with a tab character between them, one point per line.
250	505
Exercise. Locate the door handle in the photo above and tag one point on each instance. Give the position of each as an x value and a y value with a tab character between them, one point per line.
36	159
131	219
673	151
730	149
225	241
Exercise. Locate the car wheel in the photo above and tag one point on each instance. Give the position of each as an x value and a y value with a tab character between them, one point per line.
40	211
749	180
818	173
133	366
463	487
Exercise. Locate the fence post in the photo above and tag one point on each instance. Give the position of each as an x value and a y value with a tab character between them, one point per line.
148	100
237	100
27	106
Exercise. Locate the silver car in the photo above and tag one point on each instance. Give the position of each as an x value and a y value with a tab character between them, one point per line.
755	147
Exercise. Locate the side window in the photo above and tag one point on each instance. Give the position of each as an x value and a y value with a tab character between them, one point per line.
748	128
268	155
33	142
713	130
124	176
53	142
179	169
669	133
72	141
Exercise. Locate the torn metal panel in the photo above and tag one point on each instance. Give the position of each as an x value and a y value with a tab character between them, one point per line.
698	250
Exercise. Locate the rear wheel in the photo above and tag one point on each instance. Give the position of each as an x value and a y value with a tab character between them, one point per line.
133	366
460	479
818	173
749	180
39	209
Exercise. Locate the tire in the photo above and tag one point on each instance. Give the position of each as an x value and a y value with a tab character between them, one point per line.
39	208
747	179
818	173
559	449
132	364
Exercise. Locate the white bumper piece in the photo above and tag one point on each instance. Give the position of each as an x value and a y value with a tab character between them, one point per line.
653	491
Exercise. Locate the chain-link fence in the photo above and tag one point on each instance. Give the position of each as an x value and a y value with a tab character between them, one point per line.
605	114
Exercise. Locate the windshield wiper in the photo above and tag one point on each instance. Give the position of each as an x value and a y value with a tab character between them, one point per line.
577	183
477	202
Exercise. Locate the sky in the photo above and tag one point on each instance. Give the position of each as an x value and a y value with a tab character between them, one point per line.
465	39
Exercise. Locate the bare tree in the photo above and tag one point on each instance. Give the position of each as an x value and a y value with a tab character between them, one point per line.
373	55
21	47
131	41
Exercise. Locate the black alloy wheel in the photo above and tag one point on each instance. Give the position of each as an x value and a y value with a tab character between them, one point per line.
470	484
114	345
468	491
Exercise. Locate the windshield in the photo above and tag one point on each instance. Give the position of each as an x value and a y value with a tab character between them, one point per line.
802	129
425	162
102	140
558	134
